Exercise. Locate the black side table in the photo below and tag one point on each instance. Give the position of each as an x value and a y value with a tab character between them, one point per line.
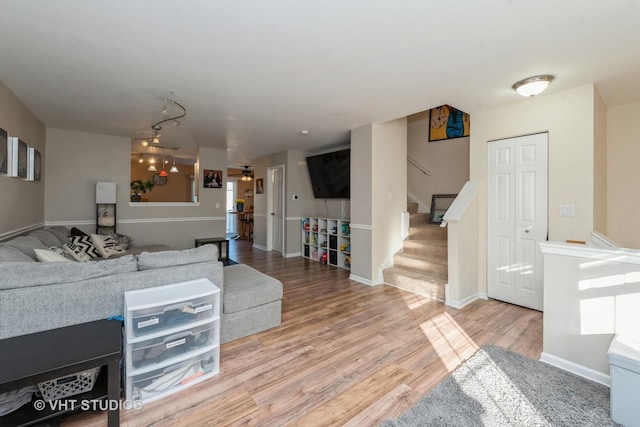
219	242
34	358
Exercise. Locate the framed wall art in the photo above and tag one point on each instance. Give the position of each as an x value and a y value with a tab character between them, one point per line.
23	160
212	178
4	152
447	122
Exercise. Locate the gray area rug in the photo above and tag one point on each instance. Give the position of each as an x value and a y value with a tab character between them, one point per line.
497	387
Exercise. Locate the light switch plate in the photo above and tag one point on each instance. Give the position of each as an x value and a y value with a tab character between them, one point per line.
567	210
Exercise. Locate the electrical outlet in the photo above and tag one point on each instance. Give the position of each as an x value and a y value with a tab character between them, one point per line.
218	205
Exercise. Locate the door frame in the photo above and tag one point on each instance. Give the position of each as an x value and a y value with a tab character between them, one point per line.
516	231
270	189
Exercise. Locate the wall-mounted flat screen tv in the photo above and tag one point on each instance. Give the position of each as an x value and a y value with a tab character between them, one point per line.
330	174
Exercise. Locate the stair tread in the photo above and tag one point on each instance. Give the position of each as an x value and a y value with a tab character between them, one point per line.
422	258
416	275
432	242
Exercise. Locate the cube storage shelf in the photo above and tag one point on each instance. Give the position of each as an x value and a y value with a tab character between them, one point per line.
172	338
327	241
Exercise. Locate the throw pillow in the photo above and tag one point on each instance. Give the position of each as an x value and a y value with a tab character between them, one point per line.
45	255
106	245
77	232
61	251
81	248
122	239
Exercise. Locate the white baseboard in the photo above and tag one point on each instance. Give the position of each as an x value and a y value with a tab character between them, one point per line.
462	303
292	255
483	295
13	233
574	368
262	248
369	282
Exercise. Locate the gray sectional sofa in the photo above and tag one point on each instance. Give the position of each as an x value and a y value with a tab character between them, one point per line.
37	296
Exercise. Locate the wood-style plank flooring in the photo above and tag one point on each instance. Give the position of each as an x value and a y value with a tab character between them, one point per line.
345	354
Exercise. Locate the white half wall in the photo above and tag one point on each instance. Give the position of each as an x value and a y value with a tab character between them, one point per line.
590	294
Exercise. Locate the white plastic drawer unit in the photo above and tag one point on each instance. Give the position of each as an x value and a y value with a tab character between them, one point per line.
172	338
153	384
170	308
160	349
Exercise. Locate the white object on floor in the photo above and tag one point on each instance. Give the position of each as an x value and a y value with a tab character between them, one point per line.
624	362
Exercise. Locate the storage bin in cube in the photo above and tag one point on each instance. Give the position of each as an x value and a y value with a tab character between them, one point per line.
624	363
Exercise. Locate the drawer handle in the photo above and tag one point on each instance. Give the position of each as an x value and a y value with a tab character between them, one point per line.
176	339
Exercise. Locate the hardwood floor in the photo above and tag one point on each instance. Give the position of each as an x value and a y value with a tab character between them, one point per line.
345	354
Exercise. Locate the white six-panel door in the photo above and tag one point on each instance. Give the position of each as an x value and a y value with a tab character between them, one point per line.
517	219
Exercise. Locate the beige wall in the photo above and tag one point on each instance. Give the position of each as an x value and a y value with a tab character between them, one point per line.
77	160
623	174
297	183
378	197
569	118
448	162
22	201
599	165
361	202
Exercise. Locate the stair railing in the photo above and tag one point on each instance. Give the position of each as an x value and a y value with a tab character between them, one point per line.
418	165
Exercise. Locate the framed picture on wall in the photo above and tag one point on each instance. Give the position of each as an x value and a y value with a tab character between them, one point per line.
447	122
22	159
259	186
37	165
4	154
212	178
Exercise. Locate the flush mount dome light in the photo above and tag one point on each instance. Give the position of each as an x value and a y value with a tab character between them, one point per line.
533	85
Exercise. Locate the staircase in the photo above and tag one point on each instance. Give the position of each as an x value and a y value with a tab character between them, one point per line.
422	266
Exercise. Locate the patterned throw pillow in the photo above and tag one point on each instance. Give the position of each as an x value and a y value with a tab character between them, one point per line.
81	248
61	251
106	245
122	239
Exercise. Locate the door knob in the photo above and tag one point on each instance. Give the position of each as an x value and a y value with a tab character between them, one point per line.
528	229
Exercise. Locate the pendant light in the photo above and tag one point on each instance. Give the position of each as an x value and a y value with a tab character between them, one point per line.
174	169
152	161
163	172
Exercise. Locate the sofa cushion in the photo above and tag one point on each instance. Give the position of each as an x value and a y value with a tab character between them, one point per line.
26	274
26	245
151	260
246	287
61	232
10	254
46	237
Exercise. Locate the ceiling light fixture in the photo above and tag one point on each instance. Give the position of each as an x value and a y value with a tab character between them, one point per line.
141	160
174	169
156	127
152	161
163	172
169	104
533	86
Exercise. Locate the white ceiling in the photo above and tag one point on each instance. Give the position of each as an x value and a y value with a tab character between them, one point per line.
252	74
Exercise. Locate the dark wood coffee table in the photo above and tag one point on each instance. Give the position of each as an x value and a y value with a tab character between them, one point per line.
223	255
